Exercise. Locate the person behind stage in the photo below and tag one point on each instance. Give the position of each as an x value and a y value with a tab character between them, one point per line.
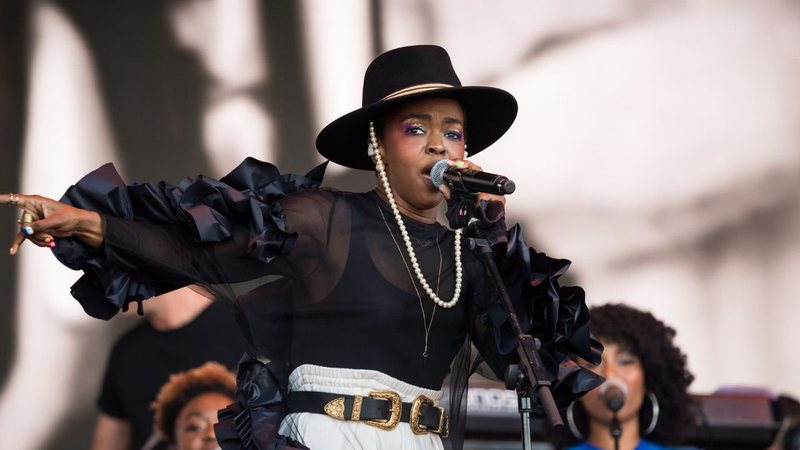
181	329
186	406
638	352
376	302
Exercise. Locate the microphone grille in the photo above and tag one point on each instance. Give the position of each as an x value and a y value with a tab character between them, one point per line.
614	383
613	393
437	172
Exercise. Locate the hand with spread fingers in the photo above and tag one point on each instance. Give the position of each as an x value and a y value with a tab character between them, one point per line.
44	219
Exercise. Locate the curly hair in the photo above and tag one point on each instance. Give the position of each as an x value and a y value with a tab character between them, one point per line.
182	387
665	371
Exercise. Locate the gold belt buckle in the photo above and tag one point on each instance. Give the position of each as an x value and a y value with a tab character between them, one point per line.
335	408
416	410
394	410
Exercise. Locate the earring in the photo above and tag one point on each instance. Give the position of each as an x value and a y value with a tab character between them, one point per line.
656	412
370	150
466	153
573	426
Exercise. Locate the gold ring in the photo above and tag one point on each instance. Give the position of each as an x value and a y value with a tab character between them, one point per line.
13	199
25	218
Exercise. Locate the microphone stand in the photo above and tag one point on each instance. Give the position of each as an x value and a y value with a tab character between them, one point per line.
616	430
531	375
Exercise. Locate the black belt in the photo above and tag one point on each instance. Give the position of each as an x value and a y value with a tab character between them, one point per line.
382	409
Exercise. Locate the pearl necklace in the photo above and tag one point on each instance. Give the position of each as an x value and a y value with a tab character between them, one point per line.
404	232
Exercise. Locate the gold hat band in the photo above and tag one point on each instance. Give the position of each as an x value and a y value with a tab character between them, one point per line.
415	89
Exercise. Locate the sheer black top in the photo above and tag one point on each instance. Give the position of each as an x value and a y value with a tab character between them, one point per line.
340	292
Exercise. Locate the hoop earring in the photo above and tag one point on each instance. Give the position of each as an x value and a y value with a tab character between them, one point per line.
656	412
573	427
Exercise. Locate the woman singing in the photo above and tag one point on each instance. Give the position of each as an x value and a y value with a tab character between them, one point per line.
641	358
375	302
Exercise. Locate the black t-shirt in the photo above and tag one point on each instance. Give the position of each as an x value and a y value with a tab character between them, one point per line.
143	359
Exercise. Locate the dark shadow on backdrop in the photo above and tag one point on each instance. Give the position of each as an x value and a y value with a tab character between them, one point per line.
152	89
14	40
288	97
153	92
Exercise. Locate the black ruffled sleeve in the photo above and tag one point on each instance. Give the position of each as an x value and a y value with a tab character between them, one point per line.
158	237
556	315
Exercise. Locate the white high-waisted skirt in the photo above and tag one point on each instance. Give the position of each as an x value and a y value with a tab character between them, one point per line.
320	432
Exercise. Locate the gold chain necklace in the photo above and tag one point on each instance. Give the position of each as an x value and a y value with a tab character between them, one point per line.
425	324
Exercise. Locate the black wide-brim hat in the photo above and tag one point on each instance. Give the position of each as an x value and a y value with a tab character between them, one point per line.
413	73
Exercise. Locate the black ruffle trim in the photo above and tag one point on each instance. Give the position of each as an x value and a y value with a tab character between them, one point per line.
204	207
252	421
556	315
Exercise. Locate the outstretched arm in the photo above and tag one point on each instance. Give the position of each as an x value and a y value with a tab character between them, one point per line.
147	239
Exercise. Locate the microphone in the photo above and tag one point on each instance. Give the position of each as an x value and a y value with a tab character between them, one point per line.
470	181
613	393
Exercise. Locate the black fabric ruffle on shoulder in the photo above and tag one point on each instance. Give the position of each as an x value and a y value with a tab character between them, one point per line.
205	207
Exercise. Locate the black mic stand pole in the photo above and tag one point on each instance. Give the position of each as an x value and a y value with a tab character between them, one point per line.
616	430
532	376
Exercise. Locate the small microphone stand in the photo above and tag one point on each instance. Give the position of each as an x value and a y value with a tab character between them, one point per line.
531	375
616	430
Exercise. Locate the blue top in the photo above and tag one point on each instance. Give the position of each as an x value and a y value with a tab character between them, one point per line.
643	445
